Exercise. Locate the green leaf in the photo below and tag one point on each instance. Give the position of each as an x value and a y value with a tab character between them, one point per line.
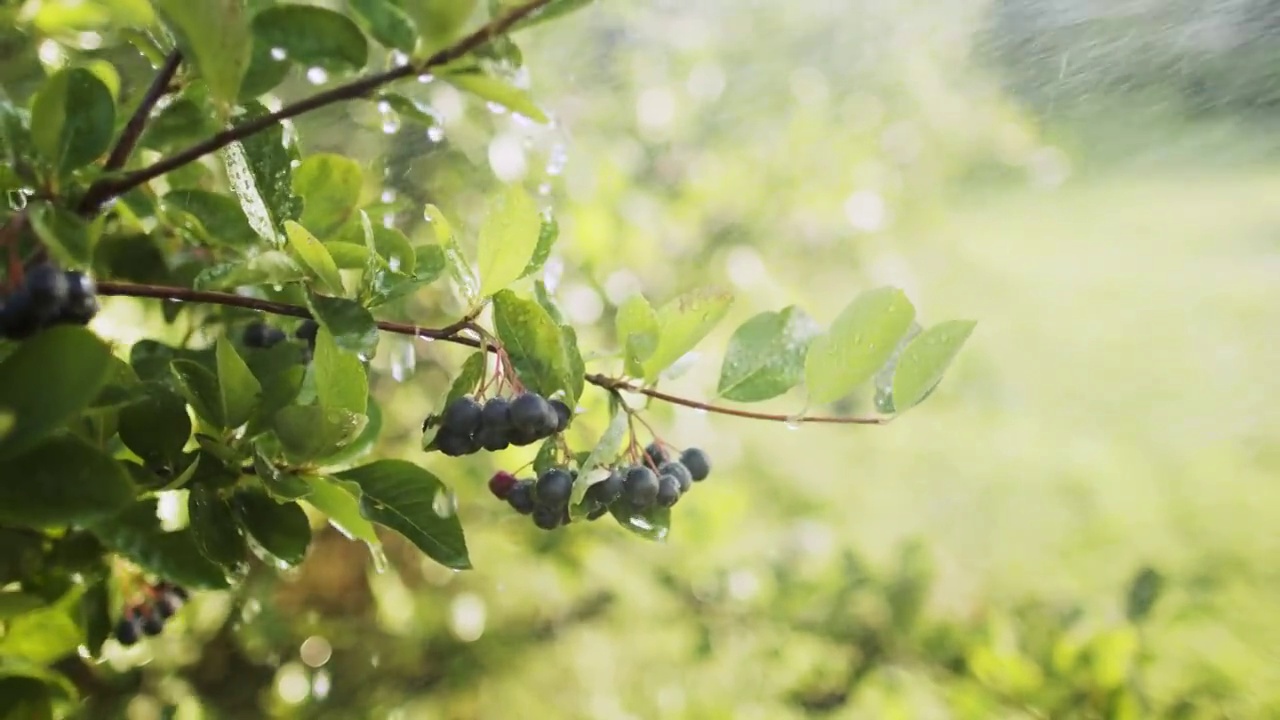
353	328
1144	590
439	20
137	535
459	268
49	380
393	247
315	256
272	267
508	238
281	529
548	233
199	386
215	217
469	377
214	35
683	323
45	635
280	371
860	340
766	355
637	327
925	359
215	528
239	390
265	73
652	523
548	457
72	119
66	235
307	432
25	698
330	188
403	497
313	36
59	482
281	484
387	23
14	667
359	446
13	604
95	616
408	108
341	383
495	90
550	11
576	366
158	427
348	256
259	169
534	343
606	449
341	502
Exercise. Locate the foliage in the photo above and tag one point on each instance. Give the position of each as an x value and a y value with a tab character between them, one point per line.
194	455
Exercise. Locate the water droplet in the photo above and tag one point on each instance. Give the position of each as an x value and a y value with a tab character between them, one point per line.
279	53
403	360
277	287
544	189
399	58
317	76
445	504
559	158
794	422
496	109
380	563
393	262
388	195
389	220
17	199
425	78
250	610
435	133
390	122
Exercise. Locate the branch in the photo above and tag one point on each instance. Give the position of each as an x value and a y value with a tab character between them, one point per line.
112	187
452	334
133	129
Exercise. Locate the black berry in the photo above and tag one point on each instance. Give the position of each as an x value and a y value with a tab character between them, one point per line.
563	414
532	413
496	414
554	488
597	512
640	487
501	484
307	331
493	439
176	590
668	490
698	463
462	416
262	335
524	436
166	605
82	299
547	517
677	470
152	624
655	454
129	630
607	490
47	288
455	444
17	321
520	498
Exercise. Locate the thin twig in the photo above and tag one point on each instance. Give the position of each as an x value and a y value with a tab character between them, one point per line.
138	122
452	334
112	187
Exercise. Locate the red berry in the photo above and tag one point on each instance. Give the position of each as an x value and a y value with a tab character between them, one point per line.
501	483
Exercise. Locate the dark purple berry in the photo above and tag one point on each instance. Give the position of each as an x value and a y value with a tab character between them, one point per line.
496	413
520	498
668	490
261	335
655	454
166	605
152	624
493	439
640	487
554	488
307	331
82	299
677	470
461	416
597	512
129	630
532	413
607	490
501	484
455	444
523	436
17	321
563	415
698	463
47	287
546	517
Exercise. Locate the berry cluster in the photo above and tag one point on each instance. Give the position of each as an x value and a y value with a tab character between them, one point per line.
466	425
49	296
149	616
658	481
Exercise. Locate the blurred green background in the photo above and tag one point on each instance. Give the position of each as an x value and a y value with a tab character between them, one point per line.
1094	182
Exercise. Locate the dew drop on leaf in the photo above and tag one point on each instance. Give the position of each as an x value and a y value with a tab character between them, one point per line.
435	133
425	78
496	109
279	53
445	504
399	58
317	76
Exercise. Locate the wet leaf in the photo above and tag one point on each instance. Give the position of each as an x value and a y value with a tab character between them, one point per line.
765	357
860	340
683	322
402	496
313	36
72	119
214	36
925	359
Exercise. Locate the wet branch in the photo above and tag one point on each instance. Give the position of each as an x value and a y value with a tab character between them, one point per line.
138	122
453	334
